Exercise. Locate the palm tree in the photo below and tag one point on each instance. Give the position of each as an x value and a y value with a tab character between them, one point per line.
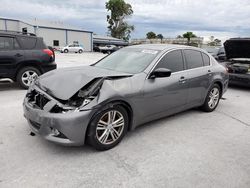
189	35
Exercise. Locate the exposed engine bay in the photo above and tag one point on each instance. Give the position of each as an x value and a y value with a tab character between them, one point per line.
44	100
239	67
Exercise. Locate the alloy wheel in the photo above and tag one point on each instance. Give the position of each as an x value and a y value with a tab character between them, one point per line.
213	98
28	77
110	127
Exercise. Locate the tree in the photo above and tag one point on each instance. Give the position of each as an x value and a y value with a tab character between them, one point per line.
179	37
118	27
160	36
151	35
189	35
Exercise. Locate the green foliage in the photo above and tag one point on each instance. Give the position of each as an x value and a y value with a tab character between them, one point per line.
151	35
160	36
189	35
119	11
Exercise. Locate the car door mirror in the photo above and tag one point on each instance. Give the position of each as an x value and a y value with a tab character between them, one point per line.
160	73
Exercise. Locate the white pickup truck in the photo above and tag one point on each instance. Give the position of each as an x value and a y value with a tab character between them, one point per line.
108	49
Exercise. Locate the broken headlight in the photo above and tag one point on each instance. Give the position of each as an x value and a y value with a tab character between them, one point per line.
82	98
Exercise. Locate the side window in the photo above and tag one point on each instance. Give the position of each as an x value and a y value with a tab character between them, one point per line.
71	45
6	43
28	42
16	45
193	59
206	59
172	61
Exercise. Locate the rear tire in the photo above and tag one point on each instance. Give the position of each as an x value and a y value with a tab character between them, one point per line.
108	127
26	76
80	51
212	99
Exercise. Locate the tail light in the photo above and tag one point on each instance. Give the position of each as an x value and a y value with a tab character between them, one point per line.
49	52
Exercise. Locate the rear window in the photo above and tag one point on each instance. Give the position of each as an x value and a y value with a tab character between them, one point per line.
193	59
28	42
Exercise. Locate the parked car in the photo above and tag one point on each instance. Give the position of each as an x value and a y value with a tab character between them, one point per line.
135	85
72	48
108	49
221	54
217	53
23	57
238	63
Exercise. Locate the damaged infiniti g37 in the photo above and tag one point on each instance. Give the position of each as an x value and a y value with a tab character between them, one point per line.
100	103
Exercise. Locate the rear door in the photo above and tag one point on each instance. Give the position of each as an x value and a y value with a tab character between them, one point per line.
10	55
199	75
170	93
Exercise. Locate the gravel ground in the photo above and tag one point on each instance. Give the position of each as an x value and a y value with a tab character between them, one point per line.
190	149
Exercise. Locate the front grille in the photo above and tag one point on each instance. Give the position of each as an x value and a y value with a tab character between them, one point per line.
37	99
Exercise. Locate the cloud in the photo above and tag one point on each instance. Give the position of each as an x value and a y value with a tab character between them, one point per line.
222	18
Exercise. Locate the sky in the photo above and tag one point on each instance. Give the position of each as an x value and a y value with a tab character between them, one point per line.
219	18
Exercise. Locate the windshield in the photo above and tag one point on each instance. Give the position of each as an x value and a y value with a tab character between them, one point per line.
129	60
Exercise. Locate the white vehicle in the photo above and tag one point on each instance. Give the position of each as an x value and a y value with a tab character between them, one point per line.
72	48
107	49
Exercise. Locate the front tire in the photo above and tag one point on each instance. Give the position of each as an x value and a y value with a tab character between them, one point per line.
66	51
108	127
212	99
26	76
80	51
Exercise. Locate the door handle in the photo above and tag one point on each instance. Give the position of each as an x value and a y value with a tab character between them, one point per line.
182	80
18	55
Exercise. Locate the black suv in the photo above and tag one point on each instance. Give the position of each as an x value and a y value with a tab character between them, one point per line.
23	57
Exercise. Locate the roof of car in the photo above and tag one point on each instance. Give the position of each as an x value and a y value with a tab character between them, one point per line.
162	47
16	33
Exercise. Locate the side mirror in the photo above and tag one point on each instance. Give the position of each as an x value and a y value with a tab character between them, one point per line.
160	73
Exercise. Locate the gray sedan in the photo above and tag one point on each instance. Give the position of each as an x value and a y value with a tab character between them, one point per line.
98	104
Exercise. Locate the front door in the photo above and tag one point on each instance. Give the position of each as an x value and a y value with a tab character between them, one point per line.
169	93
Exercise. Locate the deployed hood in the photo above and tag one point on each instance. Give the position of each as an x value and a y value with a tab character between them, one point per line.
64	83
237	48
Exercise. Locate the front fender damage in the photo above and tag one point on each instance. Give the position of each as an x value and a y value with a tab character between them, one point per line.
92	95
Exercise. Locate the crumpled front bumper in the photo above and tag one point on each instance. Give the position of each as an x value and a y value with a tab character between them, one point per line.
71	125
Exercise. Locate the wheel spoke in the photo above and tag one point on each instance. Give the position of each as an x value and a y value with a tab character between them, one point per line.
103	122
118	124
101	127
112	136
27	73
113	116
115	132
104	137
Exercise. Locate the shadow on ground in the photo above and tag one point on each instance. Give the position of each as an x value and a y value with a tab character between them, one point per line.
6	84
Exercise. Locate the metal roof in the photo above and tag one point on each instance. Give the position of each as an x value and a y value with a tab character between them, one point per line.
98	39
48	24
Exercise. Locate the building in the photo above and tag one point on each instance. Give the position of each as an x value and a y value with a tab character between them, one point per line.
55	34
99	40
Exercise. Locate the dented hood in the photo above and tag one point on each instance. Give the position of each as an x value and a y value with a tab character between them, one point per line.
64	83
237	48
